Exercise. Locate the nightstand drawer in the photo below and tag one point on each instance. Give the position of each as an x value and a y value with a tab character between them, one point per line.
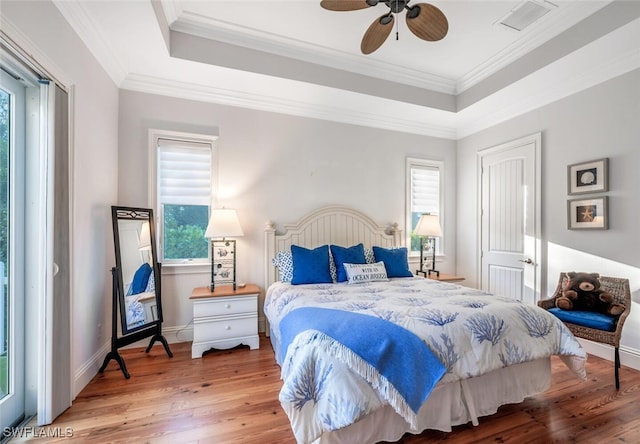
205	330
225	306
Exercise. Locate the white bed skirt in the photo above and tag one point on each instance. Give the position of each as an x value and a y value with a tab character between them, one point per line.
466	400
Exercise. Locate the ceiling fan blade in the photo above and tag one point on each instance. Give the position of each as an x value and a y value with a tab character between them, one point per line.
377	33
427	22
344	5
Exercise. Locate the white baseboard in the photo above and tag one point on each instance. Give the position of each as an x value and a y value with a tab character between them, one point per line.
87	371
629	357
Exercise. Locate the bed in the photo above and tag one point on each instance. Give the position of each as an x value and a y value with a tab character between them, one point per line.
384	352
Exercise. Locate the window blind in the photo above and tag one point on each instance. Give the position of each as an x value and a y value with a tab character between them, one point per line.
425	189
184	172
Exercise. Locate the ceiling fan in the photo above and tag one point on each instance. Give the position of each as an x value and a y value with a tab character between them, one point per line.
424	20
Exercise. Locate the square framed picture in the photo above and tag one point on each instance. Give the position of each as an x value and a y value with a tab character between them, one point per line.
588	177
587	214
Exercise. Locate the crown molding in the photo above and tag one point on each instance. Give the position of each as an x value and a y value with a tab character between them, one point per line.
30	51
607	57
209	28
76	14
572	74
554	26
172	9
611	56
439	123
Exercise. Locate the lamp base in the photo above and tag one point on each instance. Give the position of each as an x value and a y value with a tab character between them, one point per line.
223	263
430	272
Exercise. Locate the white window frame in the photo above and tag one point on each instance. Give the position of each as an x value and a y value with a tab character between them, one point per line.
424	163
154	136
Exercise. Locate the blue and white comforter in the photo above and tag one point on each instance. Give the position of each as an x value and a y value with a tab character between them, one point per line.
470	331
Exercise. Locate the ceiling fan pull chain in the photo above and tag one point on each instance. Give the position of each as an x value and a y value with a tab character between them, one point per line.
397	34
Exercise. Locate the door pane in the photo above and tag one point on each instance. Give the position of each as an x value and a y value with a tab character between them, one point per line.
4	236
12	245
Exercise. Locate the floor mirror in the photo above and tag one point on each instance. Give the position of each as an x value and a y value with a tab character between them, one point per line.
136	295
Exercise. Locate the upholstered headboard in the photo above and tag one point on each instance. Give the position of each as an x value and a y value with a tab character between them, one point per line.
337	225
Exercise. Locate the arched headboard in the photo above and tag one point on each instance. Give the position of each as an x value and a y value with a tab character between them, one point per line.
335	224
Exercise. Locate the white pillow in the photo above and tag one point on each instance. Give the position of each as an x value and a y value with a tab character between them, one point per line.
357	273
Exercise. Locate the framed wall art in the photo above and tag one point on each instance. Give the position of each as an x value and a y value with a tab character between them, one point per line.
587	214
588	177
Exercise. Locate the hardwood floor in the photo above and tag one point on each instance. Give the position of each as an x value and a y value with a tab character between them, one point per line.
232	397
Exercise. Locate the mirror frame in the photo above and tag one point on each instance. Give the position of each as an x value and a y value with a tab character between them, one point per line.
144	215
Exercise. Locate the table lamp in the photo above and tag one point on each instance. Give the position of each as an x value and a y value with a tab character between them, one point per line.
223	223
428	227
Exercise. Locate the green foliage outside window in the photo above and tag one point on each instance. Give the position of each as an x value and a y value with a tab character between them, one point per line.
184	228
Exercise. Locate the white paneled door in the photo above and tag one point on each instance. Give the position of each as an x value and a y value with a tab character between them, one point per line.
510	219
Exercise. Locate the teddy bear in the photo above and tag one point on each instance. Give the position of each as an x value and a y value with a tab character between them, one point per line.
582	292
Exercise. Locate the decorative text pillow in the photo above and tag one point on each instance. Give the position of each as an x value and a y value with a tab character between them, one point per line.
357	273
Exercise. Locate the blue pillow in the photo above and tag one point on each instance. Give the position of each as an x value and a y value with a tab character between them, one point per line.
591	319
310	266
342	255
396	261
140	279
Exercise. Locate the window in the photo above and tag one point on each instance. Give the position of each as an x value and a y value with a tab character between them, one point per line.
184	190
424	191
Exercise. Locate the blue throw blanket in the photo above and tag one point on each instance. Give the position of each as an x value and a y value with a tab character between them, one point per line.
396	353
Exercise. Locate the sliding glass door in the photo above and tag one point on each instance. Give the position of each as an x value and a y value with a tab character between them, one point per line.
12	246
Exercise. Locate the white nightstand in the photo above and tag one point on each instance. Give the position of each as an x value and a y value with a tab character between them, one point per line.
224	318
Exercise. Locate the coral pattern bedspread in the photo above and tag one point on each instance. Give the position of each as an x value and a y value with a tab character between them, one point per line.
326	387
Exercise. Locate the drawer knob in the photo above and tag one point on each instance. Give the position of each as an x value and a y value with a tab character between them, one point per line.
228	327
227	306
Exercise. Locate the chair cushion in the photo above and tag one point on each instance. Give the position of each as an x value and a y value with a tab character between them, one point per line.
590	319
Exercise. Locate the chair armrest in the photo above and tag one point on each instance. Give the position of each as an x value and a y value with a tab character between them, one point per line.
547	303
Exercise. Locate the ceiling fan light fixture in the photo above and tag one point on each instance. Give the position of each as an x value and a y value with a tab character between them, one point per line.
396	6
413	11
386	19
423	19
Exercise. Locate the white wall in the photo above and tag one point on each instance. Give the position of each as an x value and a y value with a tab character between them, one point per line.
94	134
599	122
276	167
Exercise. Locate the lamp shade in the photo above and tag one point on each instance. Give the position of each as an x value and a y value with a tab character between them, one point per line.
428	225
223	222
144	243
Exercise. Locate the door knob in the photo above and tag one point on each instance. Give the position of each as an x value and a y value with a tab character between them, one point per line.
527	261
